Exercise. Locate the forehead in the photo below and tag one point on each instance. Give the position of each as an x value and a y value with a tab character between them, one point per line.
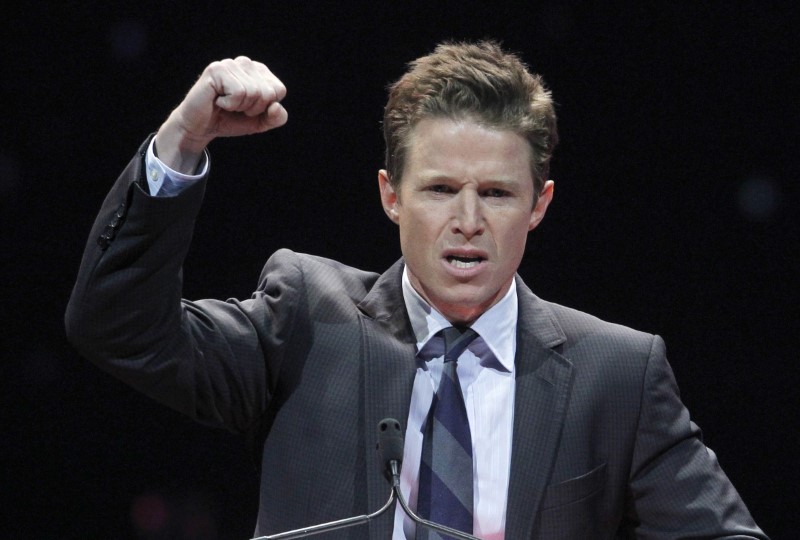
465	148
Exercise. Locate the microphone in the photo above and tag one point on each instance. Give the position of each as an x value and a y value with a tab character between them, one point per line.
390	444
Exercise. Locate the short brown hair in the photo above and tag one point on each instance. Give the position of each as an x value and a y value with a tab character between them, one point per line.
478	80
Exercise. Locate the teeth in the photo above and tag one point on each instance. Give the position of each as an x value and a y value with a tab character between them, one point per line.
463	263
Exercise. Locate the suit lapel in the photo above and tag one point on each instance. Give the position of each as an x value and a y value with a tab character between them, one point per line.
543	386
388	352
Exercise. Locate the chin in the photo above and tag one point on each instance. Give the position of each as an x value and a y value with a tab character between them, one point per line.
458	310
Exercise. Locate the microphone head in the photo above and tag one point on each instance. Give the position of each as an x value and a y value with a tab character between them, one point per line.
390	443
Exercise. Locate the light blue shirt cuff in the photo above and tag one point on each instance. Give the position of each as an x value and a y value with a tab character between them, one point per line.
166	182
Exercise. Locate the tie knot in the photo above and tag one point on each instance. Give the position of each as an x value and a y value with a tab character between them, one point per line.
456	340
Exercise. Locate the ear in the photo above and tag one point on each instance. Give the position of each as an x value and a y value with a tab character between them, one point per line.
388	196
539	210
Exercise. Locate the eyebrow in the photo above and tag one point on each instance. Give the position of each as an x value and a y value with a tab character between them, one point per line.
436	176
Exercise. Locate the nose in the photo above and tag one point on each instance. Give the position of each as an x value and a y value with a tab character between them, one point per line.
467	214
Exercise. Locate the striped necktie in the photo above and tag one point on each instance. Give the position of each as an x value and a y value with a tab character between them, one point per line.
445	475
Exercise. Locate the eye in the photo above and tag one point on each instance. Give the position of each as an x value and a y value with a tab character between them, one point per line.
440	188
496	193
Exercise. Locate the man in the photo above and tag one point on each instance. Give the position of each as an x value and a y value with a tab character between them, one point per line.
573	426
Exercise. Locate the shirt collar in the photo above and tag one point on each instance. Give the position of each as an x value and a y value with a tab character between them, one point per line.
497	326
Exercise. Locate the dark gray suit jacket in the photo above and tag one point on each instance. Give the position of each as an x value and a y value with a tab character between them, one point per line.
602	445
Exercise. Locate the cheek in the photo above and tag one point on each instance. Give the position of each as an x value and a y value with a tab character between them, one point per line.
512	242
418	228
419	240
411	240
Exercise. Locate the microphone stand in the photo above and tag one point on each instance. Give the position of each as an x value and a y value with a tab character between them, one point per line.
390	444
331	526
395	470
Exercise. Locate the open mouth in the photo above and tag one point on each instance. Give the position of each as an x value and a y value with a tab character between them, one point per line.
464	262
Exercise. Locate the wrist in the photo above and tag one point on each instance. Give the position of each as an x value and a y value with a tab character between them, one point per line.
178	148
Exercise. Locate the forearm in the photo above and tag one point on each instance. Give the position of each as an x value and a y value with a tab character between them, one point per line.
203	359
125	308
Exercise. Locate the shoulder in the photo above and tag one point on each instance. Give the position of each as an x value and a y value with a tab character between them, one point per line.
310	272
606	359
579	326
585	339
591	340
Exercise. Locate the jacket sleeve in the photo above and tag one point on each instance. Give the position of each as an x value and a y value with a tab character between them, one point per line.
207	359
677	488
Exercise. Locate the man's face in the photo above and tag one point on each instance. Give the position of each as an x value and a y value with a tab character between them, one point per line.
464	208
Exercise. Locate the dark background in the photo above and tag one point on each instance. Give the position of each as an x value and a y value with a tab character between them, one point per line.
675	213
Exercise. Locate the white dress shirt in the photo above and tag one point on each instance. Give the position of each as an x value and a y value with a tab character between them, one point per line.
485	371
163	181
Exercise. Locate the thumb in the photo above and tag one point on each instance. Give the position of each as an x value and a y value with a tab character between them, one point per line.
275	115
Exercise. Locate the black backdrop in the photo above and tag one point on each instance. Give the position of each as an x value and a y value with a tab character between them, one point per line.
675	213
